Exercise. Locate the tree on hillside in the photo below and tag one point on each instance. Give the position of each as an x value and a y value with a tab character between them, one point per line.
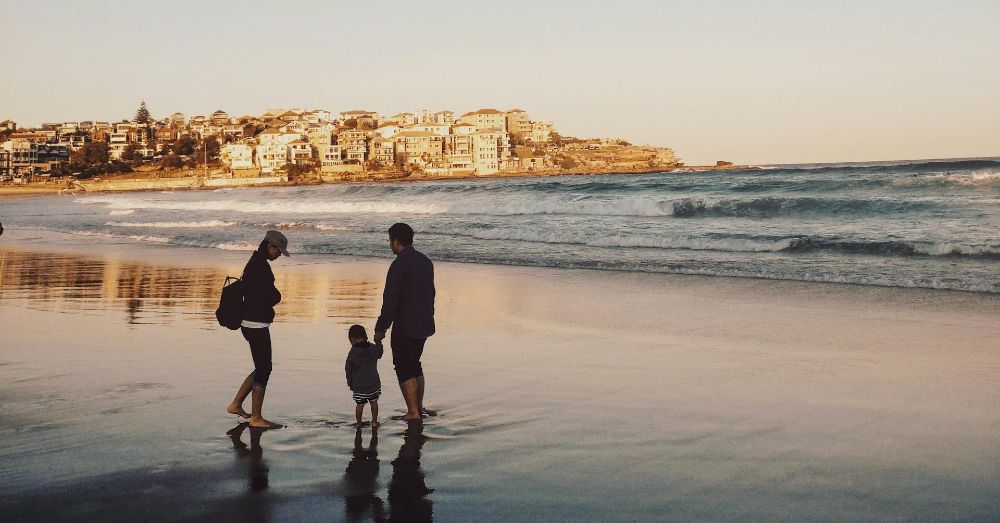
142	114
185	146
350	123
211	145
91	154
131	153
171	161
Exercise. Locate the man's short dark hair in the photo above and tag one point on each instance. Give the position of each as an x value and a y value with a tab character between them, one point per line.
357	332
402	233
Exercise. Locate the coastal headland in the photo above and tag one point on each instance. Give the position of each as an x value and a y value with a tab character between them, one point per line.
304	147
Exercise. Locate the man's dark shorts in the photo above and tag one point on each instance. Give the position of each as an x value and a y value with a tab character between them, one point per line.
406	354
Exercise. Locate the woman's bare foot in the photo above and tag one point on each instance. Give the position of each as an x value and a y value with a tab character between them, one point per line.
261	423
238	410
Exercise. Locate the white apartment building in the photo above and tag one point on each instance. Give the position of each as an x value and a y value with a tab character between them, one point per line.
485	151
299	152
440	129
271	156
330	157
117	142
237	156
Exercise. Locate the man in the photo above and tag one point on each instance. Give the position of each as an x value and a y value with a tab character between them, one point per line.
408	307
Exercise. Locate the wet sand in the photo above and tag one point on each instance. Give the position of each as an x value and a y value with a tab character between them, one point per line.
561	395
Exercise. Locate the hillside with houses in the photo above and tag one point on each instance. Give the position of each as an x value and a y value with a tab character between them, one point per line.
288	144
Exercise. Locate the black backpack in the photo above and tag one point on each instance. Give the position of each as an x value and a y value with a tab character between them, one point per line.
230	311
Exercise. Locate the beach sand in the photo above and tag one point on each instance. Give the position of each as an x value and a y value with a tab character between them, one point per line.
561	396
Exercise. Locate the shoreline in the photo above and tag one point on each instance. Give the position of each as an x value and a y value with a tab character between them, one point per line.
176	184
131	251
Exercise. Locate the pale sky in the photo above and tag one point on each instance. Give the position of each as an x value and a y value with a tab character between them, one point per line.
750	82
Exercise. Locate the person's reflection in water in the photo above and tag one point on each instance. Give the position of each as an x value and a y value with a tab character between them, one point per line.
360	479
257	467
407	489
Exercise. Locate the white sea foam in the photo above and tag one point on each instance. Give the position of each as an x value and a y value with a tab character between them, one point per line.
304	225
628	240
616	207
137	237
981	178
694	244
269	207
121	212
174	225
951	249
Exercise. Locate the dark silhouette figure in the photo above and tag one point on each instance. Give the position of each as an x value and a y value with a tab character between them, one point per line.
257	468
361	481
407	489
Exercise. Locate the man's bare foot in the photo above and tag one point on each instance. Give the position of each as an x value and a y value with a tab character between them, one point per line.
261	423
374	423
427	412
358	423
238	410
412	417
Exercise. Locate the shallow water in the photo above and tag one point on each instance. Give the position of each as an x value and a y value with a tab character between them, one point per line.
561	395
923	224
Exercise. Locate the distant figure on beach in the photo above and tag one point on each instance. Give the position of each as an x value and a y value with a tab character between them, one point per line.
362	372
407	307
1	229
260	296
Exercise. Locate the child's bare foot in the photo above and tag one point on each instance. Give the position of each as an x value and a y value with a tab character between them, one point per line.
261	423
238	410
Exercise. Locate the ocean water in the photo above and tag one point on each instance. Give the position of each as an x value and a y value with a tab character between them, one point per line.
925	224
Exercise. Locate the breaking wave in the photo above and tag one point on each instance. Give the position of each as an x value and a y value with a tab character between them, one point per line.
795	244
268	207
973	179
174	225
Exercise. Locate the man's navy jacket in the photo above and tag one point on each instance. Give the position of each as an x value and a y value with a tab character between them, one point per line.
408	299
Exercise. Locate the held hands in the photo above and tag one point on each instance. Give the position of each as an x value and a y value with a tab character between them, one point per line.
379	336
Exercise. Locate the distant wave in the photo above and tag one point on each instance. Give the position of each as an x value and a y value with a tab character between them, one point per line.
225	245
969	164
690	207
121	212
983	178
775	206
303	225
794	244
173	225
136	237
268	207
894	248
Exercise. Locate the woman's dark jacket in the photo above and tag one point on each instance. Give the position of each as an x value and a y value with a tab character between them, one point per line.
259	293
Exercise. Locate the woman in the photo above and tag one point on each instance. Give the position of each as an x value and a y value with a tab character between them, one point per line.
259	298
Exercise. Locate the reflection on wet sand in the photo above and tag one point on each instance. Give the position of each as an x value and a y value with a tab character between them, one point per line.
257	470
407	490
158	294
361	481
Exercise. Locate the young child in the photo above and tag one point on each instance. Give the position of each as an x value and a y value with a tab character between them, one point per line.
362	372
